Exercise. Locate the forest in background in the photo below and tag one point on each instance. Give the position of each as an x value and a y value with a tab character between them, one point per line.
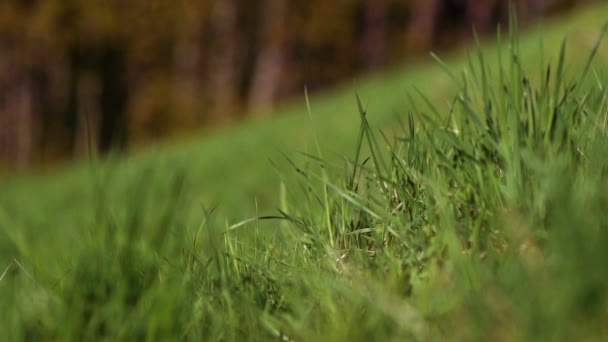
80	77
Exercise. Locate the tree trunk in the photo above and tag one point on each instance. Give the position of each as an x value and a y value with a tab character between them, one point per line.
87	132
187	88
540	7
113	99
270	61
8	117
481	15
225	60
422	26
373	40
21	95
73	99
24	106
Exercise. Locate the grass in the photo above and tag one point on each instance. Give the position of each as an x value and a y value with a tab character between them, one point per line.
479	216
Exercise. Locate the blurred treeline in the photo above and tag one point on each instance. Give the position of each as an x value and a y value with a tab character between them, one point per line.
82	76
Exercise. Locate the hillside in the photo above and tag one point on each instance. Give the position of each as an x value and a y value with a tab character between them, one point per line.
230	167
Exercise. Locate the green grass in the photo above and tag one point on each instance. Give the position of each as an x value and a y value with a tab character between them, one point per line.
478	214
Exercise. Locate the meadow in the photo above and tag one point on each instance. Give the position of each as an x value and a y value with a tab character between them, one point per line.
462	199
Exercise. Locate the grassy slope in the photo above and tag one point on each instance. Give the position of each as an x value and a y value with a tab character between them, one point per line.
47	218
231	167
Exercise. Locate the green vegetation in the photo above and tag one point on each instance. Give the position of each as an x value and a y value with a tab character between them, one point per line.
481	216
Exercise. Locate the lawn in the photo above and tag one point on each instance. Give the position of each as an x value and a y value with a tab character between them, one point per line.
463	222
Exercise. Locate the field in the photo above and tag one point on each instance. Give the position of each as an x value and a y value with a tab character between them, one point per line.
460	200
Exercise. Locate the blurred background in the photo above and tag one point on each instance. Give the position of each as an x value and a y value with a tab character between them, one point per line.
82	77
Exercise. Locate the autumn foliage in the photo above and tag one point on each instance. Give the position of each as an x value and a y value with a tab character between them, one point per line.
86	76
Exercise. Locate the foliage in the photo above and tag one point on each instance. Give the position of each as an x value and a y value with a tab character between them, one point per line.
80	77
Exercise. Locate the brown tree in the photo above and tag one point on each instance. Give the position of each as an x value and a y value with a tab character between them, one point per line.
373	37
225	63
422	23
269	65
